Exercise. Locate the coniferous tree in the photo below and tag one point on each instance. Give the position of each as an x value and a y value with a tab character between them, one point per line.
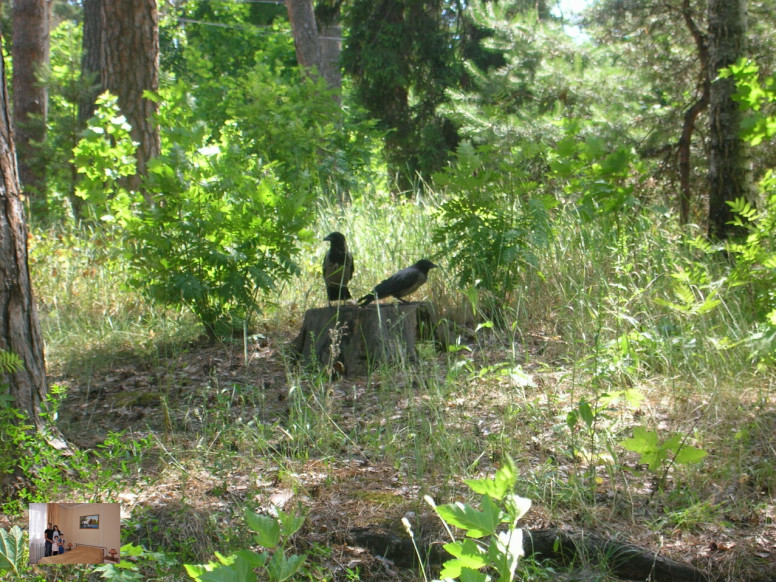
729	169
31	59
20	332
121	49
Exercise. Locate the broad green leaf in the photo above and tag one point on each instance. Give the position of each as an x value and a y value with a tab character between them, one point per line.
290	523
476	523
646	444
267	529
11	548
222	574
225	560
255	559
469	553
642	440
468	575
281	568
633	396
688	454
195	571
502	483
672	443
586	413
131	550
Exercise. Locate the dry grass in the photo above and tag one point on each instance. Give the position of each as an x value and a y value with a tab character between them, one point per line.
231	434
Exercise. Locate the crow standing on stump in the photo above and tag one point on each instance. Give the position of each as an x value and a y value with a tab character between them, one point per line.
401	283
337	268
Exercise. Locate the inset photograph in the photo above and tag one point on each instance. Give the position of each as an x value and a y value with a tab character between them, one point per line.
74	533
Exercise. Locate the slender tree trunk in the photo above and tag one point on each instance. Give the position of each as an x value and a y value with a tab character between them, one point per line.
19	326
690	116
729	172
92	41
30	54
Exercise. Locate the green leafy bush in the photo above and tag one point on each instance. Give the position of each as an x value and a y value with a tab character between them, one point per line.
756	256
491	222
656	454
487	544
215	225
599	179
104	156
273	535
143	565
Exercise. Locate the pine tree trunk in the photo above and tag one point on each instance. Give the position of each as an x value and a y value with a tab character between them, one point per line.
19	326
30	105
132	67
121	49
303	27
729	173
91	59
331	50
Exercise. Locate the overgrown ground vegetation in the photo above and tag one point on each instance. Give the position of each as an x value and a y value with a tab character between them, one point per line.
615	332
623	363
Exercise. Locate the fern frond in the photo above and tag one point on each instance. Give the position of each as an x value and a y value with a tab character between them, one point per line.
10	362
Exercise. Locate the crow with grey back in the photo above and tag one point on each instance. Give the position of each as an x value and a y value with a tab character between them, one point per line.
401	283
337	268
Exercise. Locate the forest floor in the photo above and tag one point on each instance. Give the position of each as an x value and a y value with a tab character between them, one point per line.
222	442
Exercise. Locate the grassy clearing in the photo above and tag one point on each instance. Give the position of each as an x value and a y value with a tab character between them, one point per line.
601	314
90	317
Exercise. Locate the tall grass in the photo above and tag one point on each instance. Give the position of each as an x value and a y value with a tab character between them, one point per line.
89	315
605	309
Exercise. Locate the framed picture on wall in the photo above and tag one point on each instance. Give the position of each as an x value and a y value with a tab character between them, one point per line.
89	521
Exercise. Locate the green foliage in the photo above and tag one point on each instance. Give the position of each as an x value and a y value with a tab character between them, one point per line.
142	566
756	256
104	156
273	534
216	226
9	363
502	548
65	88
656	454
756	96
492	222
46	472
218	48
599	178
296	123
12	554
597	418
401	56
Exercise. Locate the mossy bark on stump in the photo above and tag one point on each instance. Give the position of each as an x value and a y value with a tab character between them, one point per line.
354	340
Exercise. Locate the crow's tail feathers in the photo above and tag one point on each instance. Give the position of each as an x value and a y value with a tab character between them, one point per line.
338	293
366	299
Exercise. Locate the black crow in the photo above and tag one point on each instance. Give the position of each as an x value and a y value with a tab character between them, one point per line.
401	283
337	268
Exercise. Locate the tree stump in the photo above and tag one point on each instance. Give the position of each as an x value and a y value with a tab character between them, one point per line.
354	340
